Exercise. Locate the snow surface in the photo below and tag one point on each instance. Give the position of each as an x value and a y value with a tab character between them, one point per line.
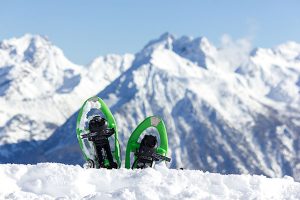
58	181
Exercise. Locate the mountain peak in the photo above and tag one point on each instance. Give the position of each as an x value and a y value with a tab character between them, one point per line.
166	36
290	50
26	48
39	63
193	49
164	41
22	43
34	37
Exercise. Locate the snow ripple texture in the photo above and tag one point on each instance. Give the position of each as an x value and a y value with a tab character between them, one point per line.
59	181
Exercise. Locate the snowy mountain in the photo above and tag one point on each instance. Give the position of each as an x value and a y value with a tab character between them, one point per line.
40	89
58	181
231	109
242	119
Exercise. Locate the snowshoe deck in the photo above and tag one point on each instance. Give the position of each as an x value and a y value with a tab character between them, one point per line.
147	152
88	147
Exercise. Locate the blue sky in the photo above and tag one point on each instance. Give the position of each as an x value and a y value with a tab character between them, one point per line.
86	29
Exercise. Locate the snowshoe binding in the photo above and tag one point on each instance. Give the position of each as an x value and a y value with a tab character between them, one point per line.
98	135
147	152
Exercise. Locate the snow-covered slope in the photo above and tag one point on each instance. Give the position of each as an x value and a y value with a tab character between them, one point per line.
32	72
53	181
239	119
40	89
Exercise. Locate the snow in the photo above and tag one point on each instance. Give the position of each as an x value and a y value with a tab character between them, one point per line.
40	88
58	181
227	100
224	107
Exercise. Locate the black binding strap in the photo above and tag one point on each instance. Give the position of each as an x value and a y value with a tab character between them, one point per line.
103	148
146	154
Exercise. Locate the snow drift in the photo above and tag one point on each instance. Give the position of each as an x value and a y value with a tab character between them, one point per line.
51	181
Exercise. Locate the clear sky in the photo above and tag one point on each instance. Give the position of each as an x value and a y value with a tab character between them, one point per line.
87	29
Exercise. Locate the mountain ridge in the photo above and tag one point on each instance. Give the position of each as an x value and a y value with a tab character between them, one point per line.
40	88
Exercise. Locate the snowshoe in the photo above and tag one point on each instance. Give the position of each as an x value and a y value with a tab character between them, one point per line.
147	151
97	135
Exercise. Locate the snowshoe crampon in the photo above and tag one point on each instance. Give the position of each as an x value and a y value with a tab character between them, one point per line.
98	135
147	151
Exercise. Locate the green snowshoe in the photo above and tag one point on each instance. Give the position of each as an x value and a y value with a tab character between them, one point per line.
147	152
97	135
